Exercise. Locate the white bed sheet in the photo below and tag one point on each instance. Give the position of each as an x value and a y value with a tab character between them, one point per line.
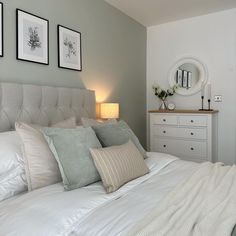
90	211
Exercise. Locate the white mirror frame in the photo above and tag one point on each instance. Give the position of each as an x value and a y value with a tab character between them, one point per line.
203	74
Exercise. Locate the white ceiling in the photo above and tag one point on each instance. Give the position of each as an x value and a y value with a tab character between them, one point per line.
154	12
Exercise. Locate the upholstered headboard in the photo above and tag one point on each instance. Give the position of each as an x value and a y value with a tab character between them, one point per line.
42	104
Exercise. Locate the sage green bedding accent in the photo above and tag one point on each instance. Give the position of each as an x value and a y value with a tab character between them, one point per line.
234	231
71	150
117	134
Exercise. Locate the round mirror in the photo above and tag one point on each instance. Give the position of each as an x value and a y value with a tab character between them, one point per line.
190	74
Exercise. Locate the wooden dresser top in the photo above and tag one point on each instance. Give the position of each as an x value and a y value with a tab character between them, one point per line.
184	111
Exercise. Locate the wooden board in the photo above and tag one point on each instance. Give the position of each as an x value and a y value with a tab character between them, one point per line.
184	111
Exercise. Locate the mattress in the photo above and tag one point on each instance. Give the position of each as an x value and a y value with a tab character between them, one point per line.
89	210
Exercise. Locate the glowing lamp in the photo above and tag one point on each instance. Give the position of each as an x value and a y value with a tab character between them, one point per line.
109	110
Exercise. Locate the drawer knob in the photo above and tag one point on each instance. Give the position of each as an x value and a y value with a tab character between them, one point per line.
192	133
192	121
192	148
164	132
164	146
164	120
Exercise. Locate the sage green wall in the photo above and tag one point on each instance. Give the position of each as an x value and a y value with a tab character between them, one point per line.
114	53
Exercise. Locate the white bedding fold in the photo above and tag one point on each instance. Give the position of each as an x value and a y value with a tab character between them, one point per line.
52	211
119	216
204	205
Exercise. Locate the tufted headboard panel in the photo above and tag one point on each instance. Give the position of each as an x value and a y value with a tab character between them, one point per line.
43	105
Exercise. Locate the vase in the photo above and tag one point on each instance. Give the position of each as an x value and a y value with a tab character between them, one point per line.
163	105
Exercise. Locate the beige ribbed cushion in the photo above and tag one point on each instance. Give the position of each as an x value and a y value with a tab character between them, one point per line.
118	165
40	165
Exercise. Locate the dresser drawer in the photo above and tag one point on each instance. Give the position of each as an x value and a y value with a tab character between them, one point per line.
178	132
193	120
191	150
164	145
165	119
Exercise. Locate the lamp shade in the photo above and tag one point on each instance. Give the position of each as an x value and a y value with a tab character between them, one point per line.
109	110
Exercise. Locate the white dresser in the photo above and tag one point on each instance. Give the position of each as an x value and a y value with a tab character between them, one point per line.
189	134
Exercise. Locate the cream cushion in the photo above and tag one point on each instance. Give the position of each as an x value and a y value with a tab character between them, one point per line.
118	165
40	165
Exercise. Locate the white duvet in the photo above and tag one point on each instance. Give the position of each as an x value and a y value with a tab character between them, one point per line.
89	210
205	204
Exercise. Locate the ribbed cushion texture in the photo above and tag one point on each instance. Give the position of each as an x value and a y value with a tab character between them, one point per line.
118	165
117	134
71	150
41	168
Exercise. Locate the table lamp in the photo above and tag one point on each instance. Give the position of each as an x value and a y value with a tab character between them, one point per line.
109	110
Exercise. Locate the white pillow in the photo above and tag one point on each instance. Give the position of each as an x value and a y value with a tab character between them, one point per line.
12	173
87	122
13	183
10	151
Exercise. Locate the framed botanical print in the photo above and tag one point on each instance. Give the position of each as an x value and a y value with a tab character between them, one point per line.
1	29
69	48
32	38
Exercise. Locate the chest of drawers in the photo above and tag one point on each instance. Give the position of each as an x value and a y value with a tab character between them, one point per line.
190	135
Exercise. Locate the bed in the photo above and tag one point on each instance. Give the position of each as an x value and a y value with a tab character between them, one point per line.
88	210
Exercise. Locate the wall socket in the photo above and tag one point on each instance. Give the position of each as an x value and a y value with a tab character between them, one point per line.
218	98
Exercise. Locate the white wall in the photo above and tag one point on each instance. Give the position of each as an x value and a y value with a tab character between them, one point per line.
212	38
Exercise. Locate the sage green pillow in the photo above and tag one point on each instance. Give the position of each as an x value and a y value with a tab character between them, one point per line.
117	134
71	150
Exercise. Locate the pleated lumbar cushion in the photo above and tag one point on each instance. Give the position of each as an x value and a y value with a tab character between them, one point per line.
118	165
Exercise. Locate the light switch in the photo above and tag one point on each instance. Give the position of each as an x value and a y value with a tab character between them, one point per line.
218	98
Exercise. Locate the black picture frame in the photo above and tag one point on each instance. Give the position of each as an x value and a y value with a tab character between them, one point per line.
77	57
1	31
24	54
